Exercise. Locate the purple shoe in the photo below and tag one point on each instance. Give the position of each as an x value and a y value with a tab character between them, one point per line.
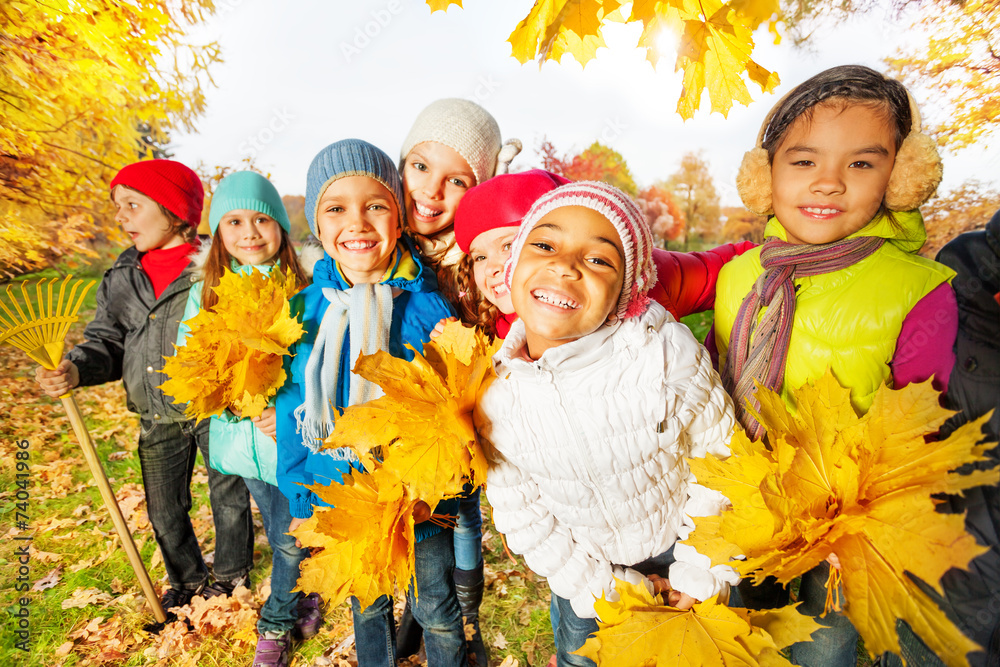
273	652
310	616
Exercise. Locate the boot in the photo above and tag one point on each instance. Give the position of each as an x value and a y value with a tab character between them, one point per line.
408	634
469	585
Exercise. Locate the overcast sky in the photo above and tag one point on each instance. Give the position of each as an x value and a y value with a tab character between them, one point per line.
301	76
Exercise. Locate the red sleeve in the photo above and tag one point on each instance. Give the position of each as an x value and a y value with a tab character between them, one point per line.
926	344
685	281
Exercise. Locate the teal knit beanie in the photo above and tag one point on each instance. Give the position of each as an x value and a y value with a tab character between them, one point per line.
350	157
250	191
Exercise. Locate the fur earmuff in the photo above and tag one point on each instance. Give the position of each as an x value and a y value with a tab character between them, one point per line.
753	181
915	175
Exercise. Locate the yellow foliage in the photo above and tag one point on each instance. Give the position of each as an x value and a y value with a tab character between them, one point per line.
639	630
860	488
233	355
442	5
420	436
716	41
366	541
86	87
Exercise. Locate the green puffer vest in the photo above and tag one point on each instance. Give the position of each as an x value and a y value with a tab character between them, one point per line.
848	320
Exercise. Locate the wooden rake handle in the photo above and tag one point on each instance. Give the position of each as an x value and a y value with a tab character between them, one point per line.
111	503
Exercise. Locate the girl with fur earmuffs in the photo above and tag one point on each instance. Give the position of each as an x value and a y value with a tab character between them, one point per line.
841	167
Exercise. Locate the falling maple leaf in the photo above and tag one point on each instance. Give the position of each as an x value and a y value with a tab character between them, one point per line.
419	437
638	630
716	41
366	541
859	488
442	5
234	352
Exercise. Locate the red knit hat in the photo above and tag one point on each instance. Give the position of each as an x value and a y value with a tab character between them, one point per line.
501	201
176	187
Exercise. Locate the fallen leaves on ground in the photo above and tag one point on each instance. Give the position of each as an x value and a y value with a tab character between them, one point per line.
860	488
83	597
639	630
233	355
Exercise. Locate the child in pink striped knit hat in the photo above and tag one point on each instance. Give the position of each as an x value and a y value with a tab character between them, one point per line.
601	396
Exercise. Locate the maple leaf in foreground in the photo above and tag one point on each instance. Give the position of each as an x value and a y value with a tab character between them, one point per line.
367	543
860	488
640	630
233	355
420	436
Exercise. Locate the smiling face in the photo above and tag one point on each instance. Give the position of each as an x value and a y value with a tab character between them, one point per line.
357	221
490	251
830	172
144	222
435	178
250	237
568	277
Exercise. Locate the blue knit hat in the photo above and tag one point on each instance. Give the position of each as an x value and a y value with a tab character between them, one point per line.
250	191
350	157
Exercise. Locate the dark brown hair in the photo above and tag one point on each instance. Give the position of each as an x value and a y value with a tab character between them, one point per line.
474	308
219	260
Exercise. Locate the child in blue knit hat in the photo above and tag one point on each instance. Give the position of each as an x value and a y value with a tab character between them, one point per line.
370	291
250	230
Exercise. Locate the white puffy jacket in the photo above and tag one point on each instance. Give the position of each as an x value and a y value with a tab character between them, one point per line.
588	472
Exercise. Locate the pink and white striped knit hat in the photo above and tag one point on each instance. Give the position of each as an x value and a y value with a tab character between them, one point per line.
627	219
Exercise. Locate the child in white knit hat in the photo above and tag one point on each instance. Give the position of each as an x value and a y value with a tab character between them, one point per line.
453	145
600	397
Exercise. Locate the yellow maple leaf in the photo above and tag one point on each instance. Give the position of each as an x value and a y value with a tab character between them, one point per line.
367	542
420	436
860	488
442	5
639	630
233	355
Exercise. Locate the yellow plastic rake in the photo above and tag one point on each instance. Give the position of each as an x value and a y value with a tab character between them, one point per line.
39	329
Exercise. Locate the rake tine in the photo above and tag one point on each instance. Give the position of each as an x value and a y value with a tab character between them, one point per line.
27	300
16	305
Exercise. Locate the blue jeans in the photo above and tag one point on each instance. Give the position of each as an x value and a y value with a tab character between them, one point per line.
280	611
436	609
469	533
167	454
571	631
836	644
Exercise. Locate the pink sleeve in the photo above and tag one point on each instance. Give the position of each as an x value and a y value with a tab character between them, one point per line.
926	344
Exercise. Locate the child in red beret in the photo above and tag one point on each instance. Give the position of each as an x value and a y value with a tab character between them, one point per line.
139	306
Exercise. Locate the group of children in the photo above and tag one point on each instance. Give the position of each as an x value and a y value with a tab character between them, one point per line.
600	394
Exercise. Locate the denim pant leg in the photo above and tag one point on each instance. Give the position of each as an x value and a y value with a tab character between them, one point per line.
166	457
375	633
571	633
231	515
280	611
436	605
834	645
469	533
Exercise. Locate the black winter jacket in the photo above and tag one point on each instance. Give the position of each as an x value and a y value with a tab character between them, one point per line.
132	331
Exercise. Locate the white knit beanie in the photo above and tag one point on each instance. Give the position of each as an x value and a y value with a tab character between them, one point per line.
467	128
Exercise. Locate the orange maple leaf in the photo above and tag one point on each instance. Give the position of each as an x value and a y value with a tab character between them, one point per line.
860	488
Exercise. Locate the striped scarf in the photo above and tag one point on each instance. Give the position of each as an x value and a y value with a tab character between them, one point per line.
368	308
758	352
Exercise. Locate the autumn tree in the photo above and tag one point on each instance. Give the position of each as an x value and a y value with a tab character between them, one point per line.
595	163
295	205
694	188
964	209
84	90
664	215
740	224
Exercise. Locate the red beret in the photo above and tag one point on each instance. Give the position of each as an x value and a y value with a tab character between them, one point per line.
501	201
176	187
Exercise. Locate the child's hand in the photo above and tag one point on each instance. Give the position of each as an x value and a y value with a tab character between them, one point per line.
439	327
293	525
267	423
59	381
675	599
833	560
421	512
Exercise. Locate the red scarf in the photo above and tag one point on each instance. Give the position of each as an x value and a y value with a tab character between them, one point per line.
163	266
503	324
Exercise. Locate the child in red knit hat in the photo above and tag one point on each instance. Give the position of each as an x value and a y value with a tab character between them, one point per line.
139	306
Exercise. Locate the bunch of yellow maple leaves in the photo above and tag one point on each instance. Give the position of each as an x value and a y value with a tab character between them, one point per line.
858	488
234	352
417	443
